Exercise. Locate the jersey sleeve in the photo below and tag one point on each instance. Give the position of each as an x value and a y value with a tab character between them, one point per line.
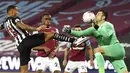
16	19
87	32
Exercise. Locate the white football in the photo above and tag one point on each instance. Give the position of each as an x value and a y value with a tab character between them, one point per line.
88	17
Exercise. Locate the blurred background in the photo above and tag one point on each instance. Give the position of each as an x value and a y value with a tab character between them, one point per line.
63	12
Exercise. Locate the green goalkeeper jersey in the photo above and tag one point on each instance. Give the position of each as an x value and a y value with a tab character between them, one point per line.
105	35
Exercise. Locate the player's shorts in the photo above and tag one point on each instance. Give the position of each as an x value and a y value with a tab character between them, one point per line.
27	44
116	53
44	63
73	65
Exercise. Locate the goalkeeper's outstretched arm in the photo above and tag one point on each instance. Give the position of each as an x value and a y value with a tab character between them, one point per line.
86	32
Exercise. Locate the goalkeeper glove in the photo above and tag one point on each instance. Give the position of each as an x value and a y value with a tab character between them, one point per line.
66	29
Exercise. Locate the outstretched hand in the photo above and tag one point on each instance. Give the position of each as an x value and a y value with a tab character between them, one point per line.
66	29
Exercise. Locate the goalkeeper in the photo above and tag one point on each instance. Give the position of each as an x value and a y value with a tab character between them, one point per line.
105	35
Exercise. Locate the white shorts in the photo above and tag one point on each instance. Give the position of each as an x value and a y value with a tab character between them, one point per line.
45	62
72	65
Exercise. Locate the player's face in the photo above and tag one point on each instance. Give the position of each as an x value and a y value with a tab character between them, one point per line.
46	20
77	29
99	16
15	11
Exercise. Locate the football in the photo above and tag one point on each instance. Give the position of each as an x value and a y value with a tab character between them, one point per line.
88	17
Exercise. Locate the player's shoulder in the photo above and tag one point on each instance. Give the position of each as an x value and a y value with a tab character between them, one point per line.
13	17
16	17
108	24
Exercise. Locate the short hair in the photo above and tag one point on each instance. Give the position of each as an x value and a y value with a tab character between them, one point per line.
10	7
46	13
77	26
104	13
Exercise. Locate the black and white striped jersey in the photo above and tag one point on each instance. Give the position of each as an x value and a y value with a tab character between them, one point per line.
10	25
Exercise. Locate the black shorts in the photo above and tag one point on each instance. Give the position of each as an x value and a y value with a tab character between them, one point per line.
27	44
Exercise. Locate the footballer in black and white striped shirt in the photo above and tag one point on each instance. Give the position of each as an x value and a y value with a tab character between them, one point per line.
25	42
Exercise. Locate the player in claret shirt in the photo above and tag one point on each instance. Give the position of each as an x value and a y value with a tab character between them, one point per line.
48	59
77	55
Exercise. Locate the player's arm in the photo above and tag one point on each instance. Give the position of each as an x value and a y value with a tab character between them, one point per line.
88	32
53	53
90	52
23	26
56	46
66	54
91	31
41	48
89	49
26	27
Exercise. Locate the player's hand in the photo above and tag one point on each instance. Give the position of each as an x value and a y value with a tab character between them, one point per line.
41	27
47	50
64	63
66	29
52	54
92	63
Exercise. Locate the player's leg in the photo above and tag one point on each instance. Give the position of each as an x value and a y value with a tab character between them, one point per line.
24	62
54	65
70	67
60	37
25	49
41	63
115	52
119	65
24	59
24	68
99	58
